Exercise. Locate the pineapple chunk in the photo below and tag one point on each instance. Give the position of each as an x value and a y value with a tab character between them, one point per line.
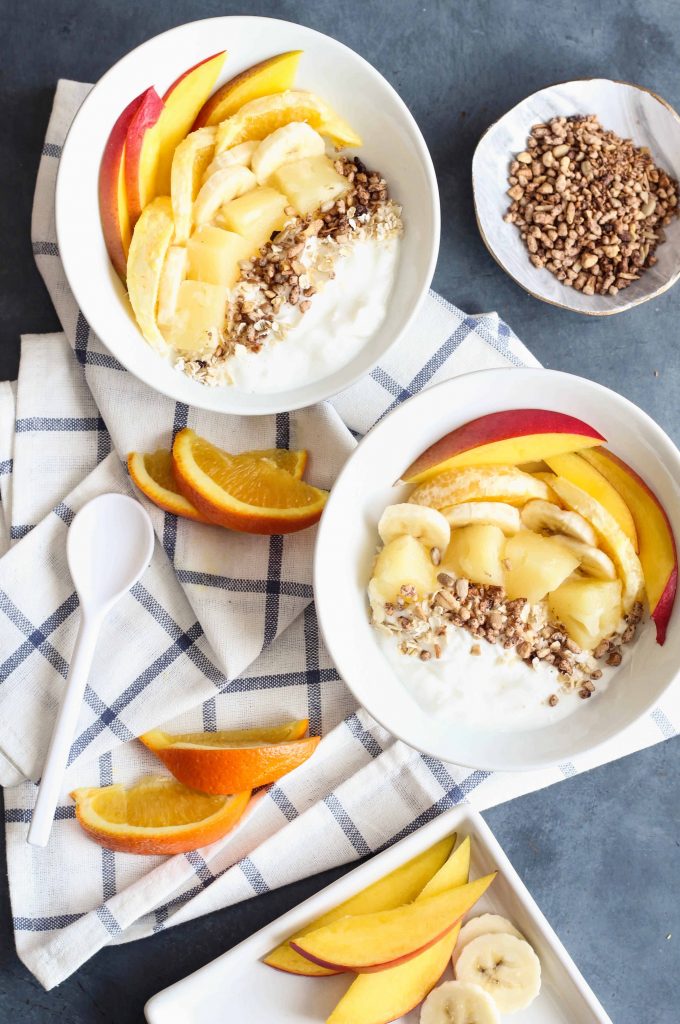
589	610
255	215
535	565
404	561
309	183
200	309
475	553
214	255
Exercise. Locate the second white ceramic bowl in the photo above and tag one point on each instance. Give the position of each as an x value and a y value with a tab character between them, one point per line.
347	540
393	144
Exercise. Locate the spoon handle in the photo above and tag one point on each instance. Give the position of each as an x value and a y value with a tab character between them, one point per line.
64	728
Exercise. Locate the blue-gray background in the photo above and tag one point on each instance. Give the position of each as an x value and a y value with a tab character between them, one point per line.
600	853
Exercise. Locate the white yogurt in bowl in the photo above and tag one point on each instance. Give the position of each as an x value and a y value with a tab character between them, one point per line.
340	321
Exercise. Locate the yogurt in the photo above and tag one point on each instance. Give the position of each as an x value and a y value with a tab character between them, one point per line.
494	690
342	318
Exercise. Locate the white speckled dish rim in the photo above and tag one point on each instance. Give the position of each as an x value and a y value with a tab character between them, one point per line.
632	112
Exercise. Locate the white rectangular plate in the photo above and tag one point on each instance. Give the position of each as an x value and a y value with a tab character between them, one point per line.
239	978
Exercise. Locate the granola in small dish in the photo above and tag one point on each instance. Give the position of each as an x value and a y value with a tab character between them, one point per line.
508	591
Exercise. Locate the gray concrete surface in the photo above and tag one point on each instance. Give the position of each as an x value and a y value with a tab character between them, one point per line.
600	853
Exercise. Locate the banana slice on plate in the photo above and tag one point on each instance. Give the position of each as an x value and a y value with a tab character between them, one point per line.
220	188
543	516
485	513
505	967
458	1002
240	155
293	141
419	521
485	924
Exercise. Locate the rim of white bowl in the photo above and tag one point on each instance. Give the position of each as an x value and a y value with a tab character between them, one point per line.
498	258
258	406
331	628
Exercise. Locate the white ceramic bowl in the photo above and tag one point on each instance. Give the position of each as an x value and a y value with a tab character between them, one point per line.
629	110
393	144
347	541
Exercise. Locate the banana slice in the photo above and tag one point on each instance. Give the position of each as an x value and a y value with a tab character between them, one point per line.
504	966
220	188
485	513
419	521
593	561
459	1002
293	141
485	924
173	273
241	155
544	517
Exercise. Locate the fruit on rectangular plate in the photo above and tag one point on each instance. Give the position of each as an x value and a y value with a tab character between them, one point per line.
590	610
658	554
392	993
535	565
474	553
142	143
573	466
214	255
401	886
309	183
276	74
113	202
509	437
372	942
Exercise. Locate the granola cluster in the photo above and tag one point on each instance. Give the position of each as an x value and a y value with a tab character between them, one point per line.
422	626
293	266
589	205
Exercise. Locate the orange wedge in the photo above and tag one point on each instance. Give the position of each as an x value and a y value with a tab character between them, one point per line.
261	116
157	816
244	493
152	472
228	762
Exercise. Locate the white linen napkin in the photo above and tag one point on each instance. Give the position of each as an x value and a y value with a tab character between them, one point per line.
219	633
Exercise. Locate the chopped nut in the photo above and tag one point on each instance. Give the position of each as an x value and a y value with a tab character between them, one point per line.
475	650
553	699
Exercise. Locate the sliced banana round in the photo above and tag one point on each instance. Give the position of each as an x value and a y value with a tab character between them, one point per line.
240	155
486	513
425	524
293	141
458	1002
485	924
593	561
504	966
544	517
220	188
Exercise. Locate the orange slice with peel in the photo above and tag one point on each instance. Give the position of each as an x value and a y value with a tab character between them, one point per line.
250	495
152	472
262	116
228	762
156	816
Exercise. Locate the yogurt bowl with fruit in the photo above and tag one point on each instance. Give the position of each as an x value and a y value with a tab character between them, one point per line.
511	598
247	214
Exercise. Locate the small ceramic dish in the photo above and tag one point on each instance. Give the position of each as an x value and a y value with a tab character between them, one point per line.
629	110
239	978
392	143
347	540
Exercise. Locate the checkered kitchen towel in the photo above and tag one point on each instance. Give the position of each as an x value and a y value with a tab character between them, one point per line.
219	633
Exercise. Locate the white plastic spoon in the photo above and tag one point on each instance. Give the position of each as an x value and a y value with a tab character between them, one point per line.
109	545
